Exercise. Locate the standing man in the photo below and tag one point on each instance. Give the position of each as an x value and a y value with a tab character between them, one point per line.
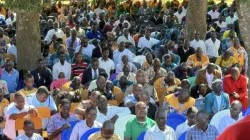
212	46
198	43
62	66
106	63
235	85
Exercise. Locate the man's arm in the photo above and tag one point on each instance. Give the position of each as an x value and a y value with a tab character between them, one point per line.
31	112
58	131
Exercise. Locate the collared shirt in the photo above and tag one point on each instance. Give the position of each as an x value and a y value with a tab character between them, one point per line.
222	24
131	76
210	78
160	83
197	134
9	129
212	48
144	43
59	34
124	39
28	92
134	128
227	121
180	16
86	51
119	67
98	136
111	112
80	128
54	58
239	54
33	137
58	67
95	73
56	122
11	79
77	69
200	43
106	65
214	14
32	100
92	35
222	63
76	43
182	128
131	98
155	133
117	55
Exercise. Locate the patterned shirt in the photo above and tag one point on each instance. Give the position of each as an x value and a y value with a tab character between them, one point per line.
198	134
56	122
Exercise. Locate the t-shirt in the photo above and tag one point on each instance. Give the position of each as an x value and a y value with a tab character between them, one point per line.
218	99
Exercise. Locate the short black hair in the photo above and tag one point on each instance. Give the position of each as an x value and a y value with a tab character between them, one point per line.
105	49
94	60
18	94
39	60
28	76
104	74
65	101
27	122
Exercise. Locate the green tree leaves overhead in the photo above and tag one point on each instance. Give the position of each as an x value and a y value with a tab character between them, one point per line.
26	5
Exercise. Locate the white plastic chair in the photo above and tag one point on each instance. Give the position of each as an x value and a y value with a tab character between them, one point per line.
120	125
217	117
139	59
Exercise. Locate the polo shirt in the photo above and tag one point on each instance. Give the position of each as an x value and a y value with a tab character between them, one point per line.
106	65
58	67
98	136
33	137
77	69
92	35
134	128
11	79
9	129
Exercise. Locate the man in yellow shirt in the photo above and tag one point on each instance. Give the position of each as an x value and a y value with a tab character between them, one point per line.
29	82
106	133
198	60
239	53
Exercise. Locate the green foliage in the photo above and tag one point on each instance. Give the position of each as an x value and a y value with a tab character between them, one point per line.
26	5
245	1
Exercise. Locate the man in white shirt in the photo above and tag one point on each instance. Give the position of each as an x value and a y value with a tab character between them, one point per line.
126	38
231	18
191	113
105	112
11	19
90	122
121	21
58	32
198	43
160	131
212	45
85	48
214	13
180	14
61	66
29	134
234	116
221	23
12	49
15	110
120	66
147	41
107	64
100	10
117	54
73	41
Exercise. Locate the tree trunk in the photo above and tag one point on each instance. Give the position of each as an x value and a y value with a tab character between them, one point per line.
196	19
28	40
244	20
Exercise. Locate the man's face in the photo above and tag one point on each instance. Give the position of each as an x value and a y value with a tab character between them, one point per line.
147	33
62	57
41	64
137	90
94	27
235	110
8	67
186	44
103	103
217	87
126	70
84	42
157	65
101	83
65	109
183	95
191	118
55	25
125	60
197	36
145	99
235	75
140	78
168	61
149	58
91	116
107	133
121	46
42	97
213	35
29	129
141	110
161	119
29	82
76	84
20	102
105	54
210	70
201	121
95	65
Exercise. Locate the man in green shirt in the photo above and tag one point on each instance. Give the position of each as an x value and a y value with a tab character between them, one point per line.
139	124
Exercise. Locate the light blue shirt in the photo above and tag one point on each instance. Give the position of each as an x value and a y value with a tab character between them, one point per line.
11	79
32	100
131	98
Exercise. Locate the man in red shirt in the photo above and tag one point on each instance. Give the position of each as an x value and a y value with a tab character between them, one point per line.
235	85
237	131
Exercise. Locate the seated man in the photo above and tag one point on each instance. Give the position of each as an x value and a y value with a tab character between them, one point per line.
123	83
202	130
126	72
125	61
189	123
81	108
139	124
208	75
18	109
217	100
235	85
61	66
141	79
234	116
169	81
179	102
106	133
149	62
198	60
60	121
29	128
156	71
29	82
151	106
90	122
41	98
200	91
183	71
167	64
105	112
160	131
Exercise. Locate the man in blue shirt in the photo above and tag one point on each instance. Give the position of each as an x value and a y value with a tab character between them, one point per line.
10	75
94	33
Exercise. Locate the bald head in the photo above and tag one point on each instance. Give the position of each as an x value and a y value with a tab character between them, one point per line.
235	73
235	109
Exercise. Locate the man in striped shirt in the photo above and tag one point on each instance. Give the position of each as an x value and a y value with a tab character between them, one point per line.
79	66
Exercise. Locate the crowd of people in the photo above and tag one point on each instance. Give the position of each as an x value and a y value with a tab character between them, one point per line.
114	60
